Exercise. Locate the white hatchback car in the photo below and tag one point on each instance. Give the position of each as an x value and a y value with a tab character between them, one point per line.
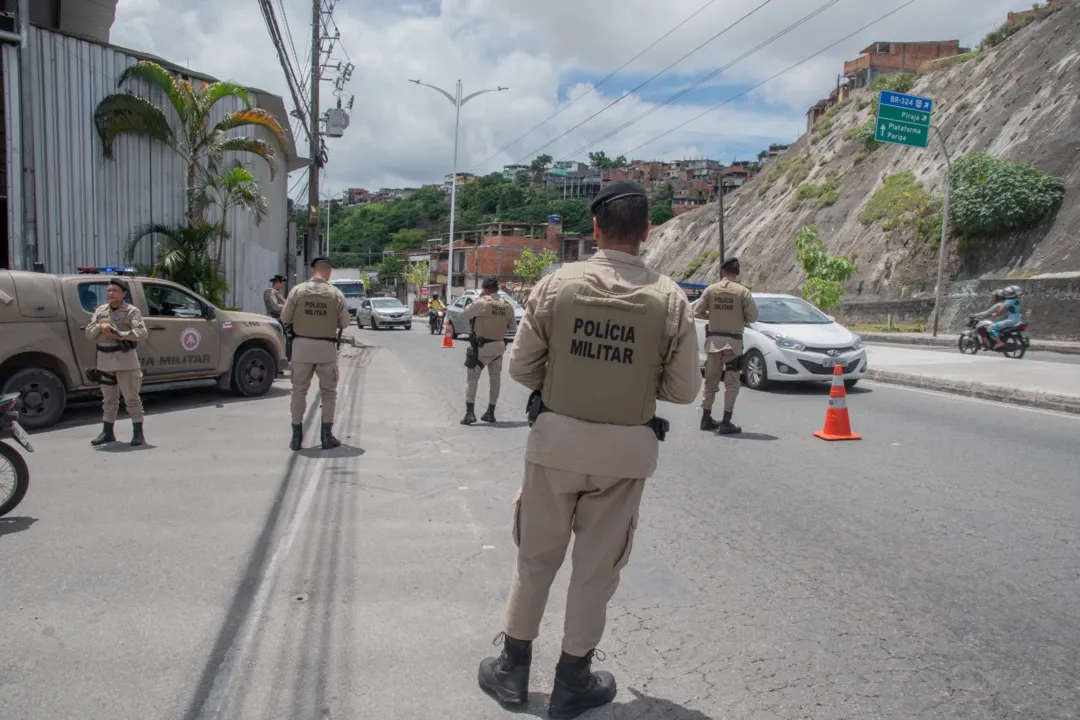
793	341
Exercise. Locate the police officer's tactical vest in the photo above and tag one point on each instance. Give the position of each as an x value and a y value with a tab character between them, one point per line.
494	320
122	318
316	311
605	355
727	314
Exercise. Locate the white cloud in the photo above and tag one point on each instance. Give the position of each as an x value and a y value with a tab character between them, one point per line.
402	134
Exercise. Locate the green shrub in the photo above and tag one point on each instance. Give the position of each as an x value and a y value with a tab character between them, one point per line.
798	169
991	196
827	198
901	202
825	193
1006	31
900	82
697	262
824	275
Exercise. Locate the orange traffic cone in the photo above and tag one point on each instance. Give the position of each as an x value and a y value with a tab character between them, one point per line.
837	425
447	341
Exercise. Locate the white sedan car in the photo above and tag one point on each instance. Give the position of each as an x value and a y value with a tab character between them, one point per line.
793	341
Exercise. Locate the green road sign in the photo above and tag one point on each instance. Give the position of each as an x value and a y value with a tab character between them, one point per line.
890	131
907	117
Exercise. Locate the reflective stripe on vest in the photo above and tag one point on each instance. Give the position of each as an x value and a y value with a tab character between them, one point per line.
605	354
316	311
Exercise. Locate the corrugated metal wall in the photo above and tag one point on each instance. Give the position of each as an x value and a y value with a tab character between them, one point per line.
88	205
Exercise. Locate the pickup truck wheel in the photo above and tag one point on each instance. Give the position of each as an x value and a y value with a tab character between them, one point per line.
44	396
253	372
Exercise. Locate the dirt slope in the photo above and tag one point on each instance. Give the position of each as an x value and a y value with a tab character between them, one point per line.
1019	101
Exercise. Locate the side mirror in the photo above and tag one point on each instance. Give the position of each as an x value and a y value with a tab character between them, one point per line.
831	318
211	312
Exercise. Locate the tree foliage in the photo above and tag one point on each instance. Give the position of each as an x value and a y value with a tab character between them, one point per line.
419	274
824	275
991	195
530	266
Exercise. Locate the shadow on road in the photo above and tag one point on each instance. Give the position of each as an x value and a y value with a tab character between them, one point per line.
123	446
12	525
821	388
765	437
642	707
342	451
508	424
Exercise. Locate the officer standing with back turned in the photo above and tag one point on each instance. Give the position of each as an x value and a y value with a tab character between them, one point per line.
491	316
316	312
600	342
728	306
118	327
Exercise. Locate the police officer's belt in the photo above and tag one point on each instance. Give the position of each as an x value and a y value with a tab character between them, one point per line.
122	347
710	333
306	337
658	425
481	342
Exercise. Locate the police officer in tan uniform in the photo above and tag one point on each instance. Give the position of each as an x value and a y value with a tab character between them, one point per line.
728	306
118	327
491	317
272	297
316	312
600	343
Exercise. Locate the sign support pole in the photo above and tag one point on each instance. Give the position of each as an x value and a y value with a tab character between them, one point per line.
944	230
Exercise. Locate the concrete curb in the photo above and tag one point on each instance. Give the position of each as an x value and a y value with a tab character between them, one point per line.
983	391
950	342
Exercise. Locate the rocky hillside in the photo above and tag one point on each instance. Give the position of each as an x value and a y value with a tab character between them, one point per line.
1018	101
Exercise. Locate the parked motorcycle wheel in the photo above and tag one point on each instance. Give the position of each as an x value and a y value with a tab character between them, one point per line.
14	478
968	344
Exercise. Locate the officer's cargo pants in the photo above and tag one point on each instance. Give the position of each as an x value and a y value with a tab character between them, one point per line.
301	383
714	372
491	355
128	384
602	512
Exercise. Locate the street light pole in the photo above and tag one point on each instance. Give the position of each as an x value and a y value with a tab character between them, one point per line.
457	101
944	231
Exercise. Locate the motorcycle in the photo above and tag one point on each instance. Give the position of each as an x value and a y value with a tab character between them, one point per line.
14	472
973	339
436	319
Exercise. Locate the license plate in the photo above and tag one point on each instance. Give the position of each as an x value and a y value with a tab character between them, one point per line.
20	436
829	362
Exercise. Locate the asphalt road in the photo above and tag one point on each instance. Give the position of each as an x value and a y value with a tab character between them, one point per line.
927	571
1040	355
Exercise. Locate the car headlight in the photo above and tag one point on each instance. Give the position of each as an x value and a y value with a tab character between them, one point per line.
278	326
858	342
783	341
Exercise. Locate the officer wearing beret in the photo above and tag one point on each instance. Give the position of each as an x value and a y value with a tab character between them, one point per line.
272	297
601	341
728	306
491	316
317	312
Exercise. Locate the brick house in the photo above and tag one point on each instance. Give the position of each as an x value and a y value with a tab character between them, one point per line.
1017	16
886	58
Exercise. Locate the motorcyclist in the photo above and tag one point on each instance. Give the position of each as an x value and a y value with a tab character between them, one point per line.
1012	313
433	306
987	317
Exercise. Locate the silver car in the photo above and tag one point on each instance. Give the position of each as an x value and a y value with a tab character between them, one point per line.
460	326
383	312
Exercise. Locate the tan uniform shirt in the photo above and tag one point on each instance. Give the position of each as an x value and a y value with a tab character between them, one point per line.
274	302
704	307
580	446
128	322
493	348
307	350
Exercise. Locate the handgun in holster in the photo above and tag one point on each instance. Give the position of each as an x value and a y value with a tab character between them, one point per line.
100	377
534	407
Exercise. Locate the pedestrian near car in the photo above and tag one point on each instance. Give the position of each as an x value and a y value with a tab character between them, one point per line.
600	342
316	312
272	297
727	306
118	327
490	316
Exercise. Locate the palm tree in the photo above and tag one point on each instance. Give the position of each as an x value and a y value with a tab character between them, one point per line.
200	143
235	189
185	256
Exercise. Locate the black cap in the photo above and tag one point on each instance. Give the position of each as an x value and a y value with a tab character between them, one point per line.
731	265
616	190
320	259
490	283
278	278
118	283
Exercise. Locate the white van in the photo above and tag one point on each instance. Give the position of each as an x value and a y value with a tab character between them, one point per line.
354	291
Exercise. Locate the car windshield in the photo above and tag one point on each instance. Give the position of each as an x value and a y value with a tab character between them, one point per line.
386	303
789	311
353	290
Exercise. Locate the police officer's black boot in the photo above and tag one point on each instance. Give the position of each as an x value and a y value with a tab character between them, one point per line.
727	427
106	435
489	416
577	688
507	676
707	422
328	439
297	441
470	416
137	438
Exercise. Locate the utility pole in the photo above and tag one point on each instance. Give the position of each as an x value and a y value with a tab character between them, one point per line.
315	148
939	292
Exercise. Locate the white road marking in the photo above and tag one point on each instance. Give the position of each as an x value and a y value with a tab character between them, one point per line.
994	403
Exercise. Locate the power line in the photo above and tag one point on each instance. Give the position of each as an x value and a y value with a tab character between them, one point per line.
630	92
770	79
595	86
708	77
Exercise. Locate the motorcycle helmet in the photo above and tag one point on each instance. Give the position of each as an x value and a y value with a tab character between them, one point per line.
999	294
1011	292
